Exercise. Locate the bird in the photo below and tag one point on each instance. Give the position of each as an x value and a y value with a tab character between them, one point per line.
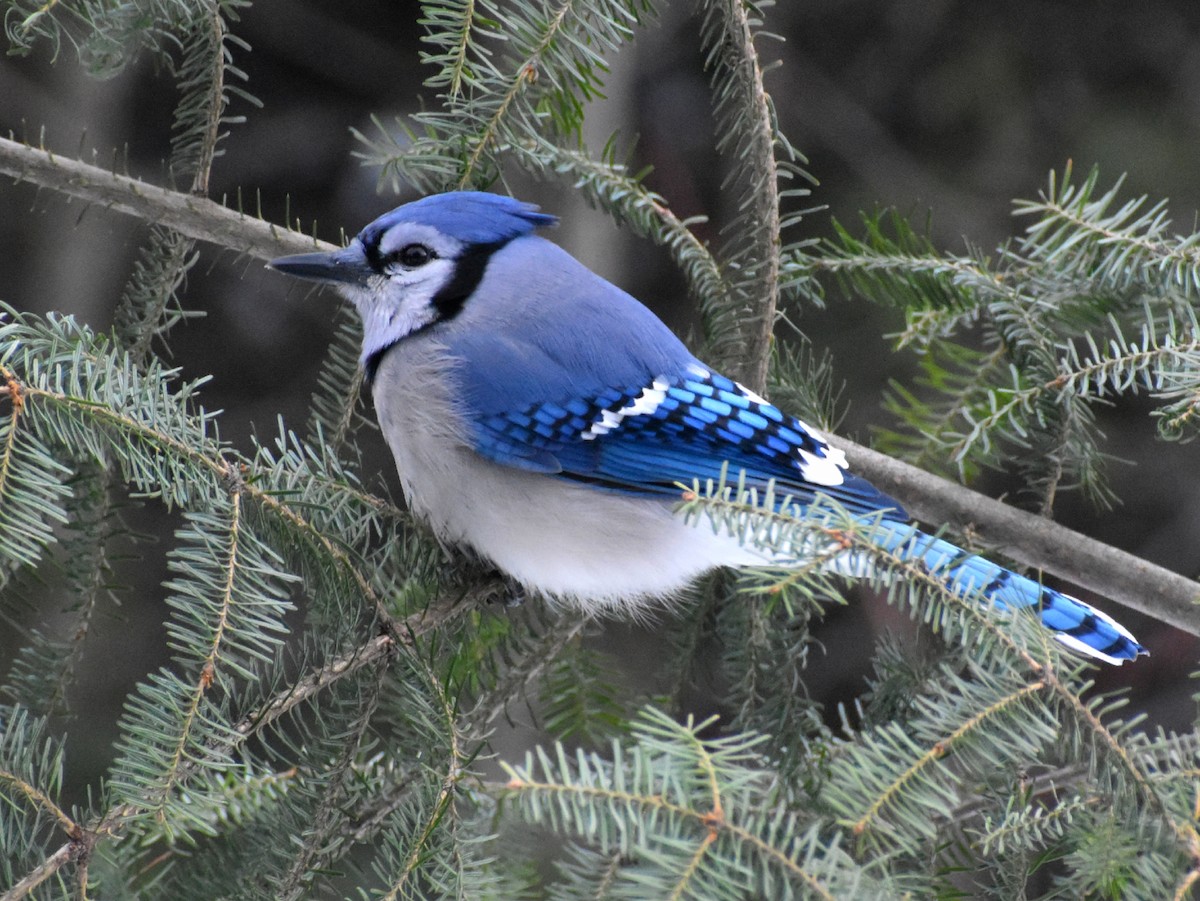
546	420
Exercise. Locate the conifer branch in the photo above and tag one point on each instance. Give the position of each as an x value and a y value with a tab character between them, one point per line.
455	771
321	842
213	24
745	107
939	750
39	800
231	474
704	822
317	681
525	75
1184	830
1189	881
1077	232
208	671
373	652
244	233
610	186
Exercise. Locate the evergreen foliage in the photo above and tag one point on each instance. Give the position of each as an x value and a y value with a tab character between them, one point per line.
324	725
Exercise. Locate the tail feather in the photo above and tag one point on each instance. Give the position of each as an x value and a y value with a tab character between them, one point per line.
1078	626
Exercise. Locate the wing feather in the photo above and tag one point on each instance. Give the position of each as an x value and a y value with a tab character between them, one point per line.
649	439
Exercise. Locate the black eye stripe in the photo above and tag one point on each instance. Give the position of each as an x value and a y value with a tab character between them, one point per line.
411	256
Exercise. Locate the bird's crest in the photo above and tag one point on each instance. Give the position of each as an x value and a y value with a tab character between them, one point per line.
473	217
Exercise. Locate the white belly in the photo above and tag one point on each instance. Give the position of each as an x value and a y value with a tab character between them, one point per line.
563	539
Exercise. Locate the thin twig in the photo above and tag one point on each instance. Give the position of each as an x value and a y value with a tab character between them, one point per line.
216	103
762	209
42	872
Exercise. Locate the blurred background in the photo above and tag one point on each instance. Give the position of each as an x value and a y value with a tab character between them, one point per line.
943	108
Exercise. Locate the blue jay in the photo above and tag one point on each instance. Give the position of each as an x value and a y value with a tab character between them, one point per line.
545	418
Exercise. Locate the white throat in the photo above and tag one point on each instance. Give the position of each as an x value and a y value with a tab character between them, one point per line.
396	304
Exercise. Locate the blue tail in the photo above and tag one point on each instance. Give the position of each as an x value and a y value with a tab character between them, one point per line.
1077	625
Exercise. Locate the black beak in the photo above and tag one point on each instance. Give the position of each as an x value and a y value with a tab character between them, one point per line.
347	266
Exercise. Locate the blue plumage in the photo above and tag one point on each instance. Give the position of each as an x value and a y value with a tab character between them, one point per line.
576	336
700	426
473	217
1078	625
546	418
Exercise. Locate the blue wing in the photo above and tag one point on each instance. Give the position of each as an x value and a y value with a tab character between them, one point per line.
647	439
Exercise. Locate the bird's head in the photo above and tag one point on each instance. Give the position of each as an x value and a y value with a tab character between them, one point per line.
418	264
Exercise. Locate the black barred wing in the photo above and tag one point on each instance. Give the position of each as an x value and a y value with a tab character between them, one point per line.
649	438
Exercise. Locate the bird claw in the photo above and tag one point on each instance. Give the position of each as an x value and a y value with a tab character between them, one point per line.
514	596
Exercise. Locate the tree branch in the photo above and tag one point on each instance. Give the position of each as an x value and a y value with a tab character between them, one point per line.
1026	538
195	217
47	868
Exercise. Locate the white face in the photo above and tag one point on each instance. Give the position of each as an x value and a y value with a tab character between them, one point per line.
414	263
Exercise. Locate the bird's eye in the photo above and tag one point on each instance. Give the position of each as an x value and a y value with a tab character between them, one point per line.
413	255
